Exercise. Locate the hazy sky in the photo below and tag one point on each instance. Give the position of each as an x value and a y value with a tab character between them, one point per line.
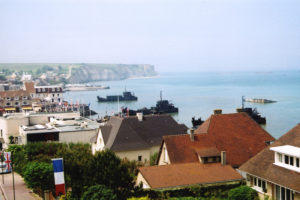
172	35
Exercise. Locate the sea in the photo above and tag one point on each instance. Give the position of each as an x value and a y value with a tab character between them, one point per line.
198	94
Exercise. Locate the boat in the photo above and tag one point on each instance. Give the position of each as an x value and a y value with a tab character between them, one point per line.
252	112
162	107
260	101
127	96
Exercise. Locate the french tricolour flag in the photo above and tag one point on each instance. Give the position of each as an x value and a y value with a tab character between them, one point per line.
59	177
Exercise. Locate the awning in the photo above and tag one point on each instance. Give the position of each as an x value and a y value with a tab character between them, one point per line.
27	108
10	109
1	109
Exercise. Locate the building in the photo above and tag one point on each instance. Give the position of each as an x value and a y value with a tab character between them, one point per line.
50	93
26	77
136	137
10	123
187	174
236	134
275	171
15	101
67	130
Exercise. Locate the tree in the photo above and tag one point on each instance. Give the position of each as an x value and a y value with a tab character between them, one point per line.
107	169
99	192
39	175
153	158
242	193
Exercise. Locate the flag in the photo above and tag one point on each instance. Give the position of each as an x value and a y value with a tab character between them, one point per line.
7	161
59	178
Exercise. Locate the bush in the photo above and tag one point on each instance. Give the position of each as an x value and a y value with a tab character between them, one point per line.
39	176
107	169
242	193
99	192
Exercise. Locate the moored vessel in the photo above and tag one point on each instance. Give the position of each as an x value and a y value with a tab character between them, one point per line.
127	96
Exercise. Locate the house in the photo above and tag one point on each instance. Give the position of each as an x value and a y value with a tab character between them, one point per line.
136	137
275	171
237	134
186	174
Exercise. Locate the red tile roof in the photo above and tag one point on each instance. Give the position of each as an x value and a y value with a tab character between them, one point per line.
29	87
262	165
176	175
13	93
237	134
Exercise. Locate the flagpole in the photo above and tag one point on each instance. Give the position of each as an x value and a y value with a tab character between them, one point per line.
90	111
12	171
2	155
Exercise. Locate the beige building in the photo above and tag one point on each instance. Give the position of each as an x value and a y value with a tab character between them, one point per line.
137	137
10	123
275	171
66	130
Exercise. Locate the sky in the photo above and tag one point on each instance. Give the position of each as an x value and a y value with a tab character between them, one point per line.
173	35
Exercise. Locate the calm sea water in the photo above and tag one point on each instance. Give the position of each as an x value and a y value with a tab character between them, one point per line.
198	94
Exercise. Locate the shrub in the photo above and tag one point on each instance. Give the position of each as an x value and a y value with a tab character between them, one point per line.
39	176
99	192
242	193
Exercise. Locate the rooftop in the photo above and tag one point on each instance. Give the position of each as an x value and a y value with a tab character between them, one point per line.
129	133
176	175
237	134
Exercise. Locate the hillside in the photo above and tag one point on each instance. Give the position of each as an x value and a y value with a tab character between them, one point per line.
80	72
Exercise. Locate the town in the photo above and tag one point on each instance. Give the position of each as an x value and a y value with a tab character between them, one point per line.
146	156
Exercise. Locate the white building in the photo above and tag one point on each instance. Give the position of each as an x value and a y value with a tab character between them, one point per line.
51	93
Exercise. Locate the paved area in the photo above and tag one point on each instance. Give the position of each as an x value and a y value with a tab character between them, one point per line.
22	192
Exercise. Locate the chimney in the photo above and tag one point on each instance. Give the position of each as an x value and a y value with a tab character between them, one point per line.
223	157
192	135
140	116
217	111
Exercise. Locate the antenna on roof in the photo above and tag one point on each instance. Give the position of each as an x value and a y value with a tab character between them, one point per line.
243	100
161	95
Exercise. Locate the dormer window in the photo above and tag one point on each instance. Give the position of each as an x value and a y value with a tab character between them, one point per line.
287	156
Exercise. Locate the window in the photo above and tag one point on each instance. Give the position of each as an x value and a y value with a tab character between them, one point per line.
24	103
286	159
291	160
279	157
16	98
16	103
53	95
139	158
259	185
8	104
297	162
284	193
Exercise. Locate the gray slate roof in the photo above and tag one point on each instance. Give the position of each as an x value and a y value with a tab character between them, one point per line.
125	134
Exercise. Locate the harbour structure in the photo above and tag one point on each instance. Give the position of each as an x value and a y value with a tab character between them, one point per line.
275	171
260	100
